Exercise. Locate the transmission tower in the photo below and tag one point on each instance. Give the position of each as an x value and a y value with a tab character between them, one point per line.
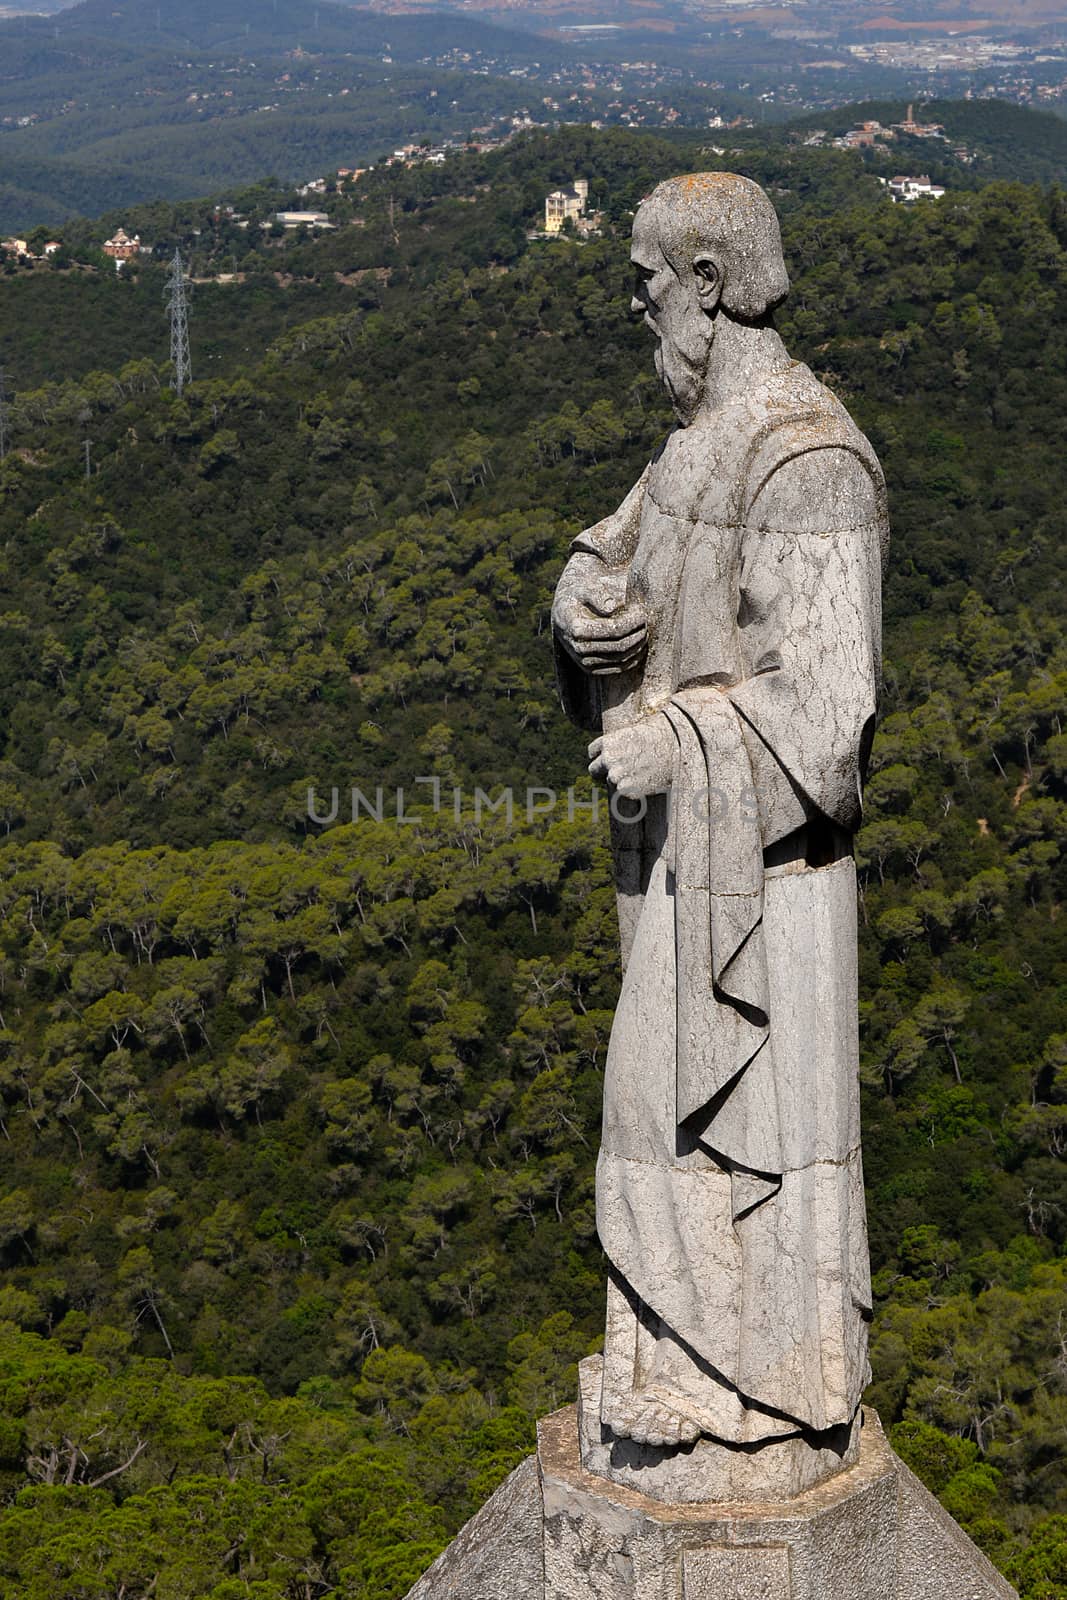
5	414
177	298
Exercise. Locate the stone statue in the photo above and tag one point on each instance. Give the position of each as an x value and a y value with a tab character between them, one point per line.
721	634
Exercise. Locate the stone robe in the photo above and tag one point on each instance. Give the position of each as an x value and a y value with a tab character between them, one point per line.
729	1181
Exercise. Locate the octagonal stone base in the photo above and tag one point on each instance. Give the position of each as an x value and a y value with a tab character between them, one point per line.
555	1531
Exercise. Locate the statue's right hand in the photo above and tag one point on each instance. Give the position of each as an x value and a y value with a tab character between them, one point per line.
603	632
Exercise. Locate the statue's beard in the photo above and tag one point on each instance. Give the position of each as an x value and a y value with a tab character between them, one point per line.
681	362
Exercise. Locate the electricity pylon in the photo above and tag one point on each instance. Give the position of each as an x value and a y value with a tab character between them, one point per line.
177	300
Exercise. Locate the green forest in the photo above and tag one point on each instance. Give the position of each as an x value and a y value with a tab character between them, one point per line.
108	103
299	1117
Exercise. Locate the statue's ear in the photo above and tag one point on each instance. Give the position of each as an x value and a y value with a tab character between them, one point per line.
708	275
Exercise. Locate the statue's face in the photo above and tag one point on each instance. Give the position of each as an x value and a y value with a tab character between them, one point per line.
672	305
656	285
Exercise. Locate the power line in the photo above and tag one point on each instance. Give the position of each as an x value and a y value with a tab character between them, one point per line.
177	298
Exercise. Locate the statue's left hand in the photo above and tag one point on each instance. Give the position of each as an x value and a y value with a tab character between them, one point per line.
597	626
636	761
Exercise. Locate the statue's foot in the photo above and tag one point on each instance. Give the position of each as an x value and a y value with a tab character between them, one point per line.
648	1420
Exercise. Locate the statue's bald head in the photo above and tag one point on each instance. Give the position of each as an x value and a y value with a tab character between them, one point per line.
724	218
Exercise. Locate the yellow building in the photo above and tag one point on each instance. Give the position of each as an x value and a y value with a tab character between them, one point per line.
564	203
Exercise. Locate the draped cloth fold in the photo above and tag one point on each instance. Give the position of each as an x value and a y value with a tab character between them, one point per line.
745	1271
729	1180
725	1066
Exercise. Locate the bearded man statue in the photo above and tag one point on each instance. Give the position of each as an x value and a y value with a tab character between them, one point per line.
721	635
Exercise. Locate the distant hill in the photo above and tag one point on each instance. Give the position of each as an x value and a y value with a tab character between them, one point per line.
668	16
1015	141
318	25
134	101
126	101
114	102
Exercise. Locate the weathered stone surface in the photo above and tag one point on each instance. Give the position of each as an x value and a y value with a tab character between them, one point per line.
717	1572
835	1542
721	633
706	1470
556	1532
855	1537
498	1555
935	1559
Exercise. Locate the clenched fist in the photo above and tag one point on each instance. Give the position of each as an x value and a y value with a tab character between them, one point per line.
595	623
636	761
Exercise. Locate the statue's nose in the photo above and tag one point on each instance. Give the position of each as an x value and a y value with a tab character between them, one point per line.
637	305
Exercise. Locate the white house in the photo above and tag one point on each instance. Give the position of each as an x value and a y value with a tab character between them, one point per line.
303	219
907	190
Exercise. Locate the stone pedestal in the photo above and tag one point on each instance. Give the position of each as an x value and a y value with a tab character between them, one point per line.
556	1531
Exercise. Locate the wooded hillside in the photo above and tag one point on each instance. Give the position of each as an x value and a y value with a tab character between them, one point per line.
299	1120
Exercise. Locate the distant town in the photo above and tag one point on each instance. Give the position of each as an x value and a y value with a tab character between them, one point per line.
643	92
566	211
